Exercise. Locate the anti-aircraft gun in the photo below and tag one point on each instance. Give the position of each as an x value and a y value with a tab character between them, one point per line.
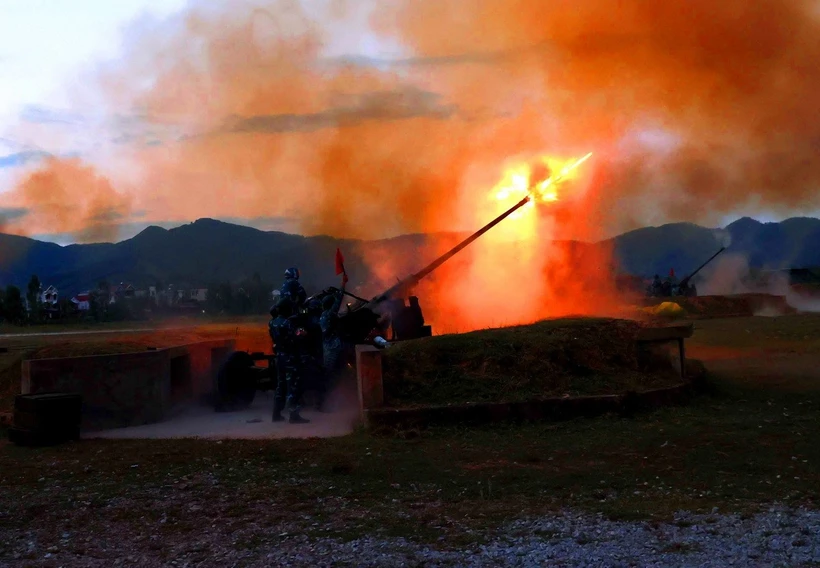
668	289
689	290
239	378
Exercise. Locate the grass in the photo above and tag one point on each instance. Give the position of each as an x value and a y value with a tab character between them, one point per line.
724	306
782	334
750	442
158	323
737	448
551	358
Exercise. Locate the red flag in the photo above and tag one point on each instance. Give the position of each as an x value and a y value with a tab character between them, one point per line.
340	262
671	272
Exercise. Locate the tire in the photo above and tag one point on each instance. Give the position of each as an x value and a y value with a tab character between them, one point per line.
236	383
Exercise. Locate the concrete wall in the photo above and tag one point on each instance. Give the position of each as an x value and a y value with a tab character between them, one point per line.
130	389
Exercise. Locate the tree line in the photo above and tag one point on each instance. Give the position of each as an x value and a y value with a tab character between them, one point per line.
250	296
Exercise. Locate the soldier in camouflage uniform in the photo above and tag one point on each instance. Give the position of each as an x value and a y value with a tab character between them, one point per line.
332	346
284	332
292	288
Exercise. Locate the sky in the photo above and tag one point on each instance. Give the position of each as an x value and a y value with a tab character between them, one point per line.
44	45
50	50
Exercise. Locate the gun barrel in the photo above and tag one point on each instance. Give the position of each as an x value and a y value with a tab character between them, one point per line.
466	242
415	278
711	258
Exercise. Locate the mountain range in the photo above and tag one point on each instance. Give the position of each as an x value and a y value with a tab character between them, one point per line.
207	250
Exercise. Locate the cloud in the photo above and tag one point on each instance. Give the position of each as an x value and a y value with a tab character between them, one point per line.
372	106
36	114
12	213
22	158
478	57
279	224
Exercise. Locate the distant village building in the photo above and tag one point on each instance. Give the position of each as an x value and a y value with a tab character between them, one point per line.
199	294
82	301
49	296
123	291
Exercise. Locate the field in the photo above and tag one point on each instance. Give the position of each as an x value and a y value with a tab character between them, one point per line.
749	443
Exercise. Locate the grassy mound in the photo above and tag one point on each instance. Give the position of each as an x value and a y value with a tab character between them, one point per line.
550	358
736	305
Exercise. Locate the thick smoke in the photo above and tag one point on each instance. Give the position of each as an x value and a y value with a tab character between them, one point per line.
66	196
691	108
731	274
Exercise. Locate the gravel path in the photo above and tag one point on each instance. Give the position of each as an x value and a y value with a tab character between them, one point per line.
777	537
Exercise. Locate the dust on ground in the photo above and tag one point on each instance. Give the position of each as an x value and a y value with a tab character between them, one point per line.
199	421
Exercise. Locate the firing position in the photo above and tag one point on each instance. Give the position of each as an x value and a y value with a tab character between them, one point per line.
286	339
293	289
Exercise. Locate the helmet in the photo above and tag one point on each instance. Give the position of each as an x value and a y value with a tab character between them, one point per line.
292	272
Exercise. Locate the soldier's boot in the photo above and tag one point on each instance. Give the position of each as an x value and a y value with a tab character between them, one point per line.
296	418
277	411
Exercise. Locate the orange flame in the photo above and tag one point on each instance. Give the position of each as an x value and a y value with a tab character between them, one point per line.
542	181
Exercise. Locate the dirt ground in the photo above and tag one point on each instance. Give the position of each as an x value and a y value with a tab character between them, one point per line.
745	446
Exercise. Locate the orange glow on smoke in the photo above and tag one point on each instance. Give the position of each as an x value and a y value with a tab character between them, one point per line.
520	271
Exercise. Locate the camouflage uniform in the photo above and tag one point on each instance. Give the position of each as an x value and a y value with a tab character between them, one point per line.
293	290
332	347
289	367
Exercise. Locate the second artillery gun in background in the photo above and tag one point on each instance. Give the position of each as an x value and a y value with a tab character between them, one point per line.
683	288
363	321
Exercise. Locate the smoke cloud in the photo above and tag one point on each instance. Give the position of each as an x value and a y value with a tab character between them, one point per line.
691	110
731	274
65	196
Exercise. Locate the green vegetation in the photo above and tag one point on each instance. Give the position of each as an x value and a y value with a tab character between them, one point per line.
734	449
748	442
789	334
550	358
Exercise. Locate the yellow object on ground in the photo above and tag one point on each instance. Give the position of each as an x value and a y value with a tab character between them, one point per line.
670	309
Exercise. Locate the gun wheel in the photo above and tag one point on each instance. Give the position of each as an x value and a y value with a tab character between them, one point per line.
236	383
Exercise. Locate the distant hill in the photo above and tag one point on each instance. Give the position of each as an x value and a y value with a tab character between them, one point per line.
773	246
208	250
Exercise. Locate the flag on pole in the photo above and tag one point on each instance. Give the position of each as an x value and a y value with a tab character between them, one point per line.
340	265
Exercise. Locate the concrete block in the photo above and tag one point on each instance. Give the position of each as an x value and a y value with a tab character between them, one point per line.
129	389
369	376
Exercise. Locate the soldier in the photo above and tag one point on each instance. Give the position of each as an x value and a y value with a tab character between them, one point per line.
332	346
657	286
311	349
288	361
293	289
